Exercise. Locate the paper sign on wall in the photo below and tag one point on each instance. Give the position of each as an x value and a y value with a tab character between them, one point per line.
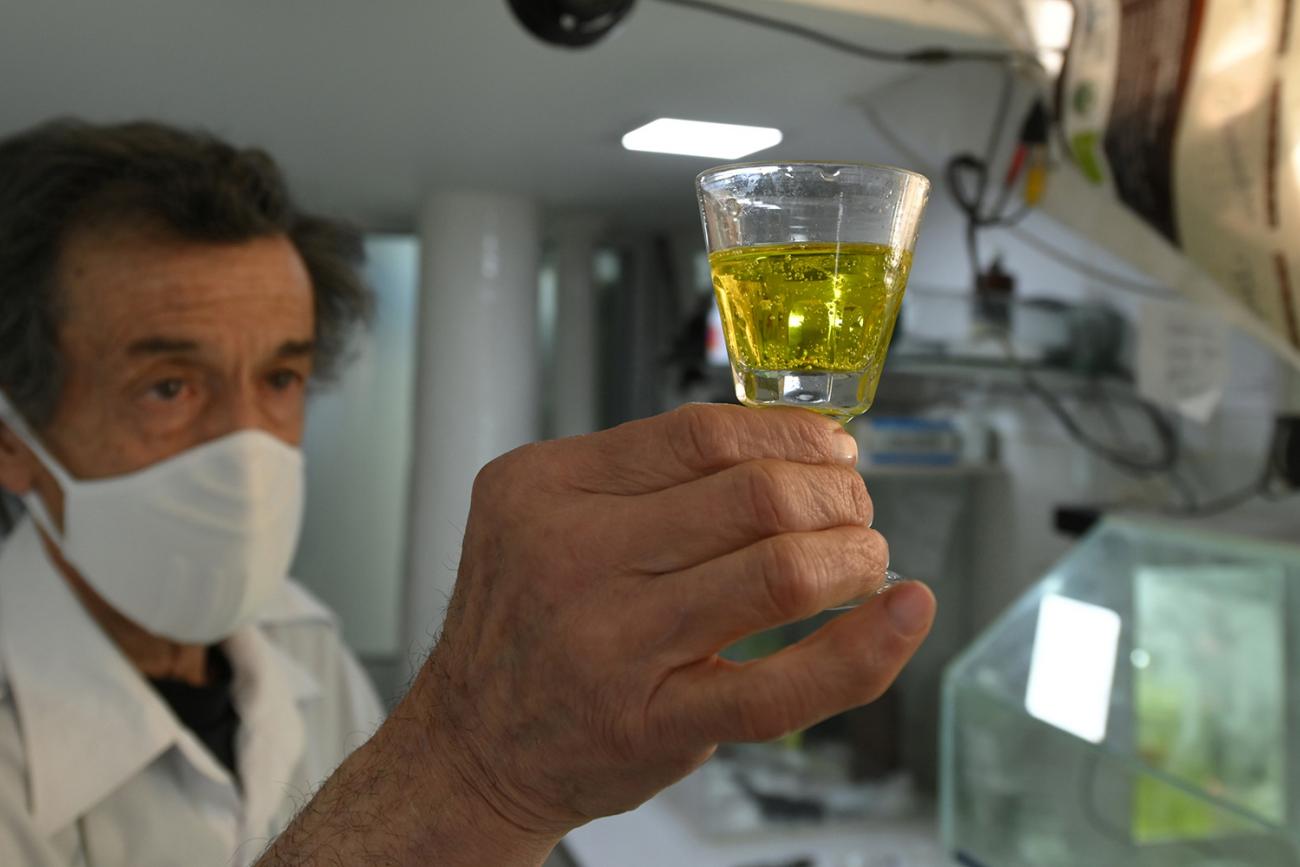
1182	359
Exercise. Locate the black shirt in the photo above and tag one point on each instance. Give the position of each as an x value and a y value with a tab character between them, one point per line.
207	710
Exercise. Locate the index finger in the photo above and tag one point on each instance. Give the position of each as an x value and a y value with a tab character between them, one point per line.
700	439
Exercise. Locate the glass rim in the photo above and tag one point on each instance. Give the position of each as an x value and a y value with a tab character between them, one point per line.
726	168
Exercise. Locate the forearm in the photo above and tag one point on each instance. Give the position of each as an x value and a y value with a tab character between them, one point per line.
395	803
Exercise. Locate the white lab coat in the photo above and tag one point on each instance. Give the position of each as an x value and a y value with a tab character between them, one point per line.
95	769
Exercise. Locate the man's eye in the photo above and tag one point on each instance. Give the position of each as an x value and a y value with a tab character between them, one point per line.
168	389
282	380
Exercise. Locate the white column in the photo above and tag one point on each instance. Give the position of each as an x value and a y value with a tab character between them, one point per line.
476	378
573	382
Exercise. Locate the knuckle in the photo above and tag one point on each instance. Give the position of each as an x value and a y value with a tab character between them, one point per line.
766	493
703	441
509	480
863	506
789	578
865	555
878	549
490	477
868	546
850	493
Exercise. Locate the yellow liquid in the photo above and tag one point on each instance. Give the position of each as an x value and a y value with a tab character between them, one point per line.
810	308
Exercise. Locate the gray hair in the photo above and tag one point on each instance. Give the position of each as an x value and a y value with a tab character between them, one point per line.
68	174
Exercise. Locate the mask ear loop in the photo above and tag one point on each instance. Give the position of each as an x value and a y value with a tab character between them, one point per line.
31	500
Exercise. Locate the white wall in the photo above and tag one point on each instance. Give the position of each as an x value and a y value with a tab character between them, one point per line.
358	446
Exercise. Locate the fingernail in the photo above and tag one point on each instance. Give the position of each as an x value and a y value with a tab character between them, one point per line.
844	448
909	608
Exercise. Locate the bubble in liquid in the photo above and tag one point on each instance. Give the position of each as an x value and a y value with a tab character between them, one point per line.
732	206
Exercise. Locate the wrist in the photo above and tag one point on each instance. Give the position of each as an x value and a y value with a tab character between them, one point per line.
399	800
472	819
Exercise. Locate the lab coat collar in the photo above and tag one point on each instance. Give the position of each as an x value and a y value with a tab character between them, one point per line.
266	689
90	721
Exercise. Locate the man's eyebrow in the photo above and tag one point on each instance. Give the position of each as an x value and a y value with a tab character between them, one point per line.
295	348
161	346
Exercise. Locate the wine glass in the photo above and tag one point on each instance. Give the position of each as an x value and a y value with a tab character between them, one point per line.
809	264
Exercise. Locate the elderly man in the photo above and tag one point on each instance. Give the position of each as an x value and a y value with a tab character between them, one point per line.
170	697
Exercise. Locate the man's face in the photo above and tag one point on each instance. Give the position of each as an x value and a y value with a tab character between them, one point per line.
168	344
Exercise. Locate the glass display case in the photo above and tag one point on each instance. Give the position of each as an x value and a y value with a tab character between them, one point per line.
1138	707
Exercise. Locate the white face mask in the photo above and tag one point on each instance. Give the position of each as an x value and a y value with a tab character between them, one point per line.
189	548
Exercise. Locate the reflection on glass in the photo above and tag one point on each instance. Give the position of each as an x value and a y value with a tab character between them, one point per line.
1196	764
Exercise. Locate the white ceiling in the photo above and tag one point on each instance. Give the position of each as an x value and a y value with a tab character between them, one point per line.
370	105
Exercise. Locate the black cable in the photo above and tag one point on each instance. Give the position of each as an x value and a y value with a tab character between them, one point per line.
1106	278
1033	135
1099	398
928	56
968	176
1015	218
1115	281
1000	115
1166	434
1183	488
973	252
1260	486
968	202
968	179
1219	504
1000	209
9	513
955	174
1170	443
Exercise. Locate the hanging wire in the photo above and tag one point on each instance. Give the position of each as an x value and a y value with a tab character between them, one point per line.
926	56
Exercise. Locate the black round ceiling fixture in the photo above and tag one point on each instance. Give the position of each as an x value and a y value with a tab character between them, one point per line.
571	23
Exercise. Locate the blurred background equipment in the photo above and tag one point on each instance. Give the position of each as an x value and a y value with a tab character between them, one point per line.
1134	706
571	23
